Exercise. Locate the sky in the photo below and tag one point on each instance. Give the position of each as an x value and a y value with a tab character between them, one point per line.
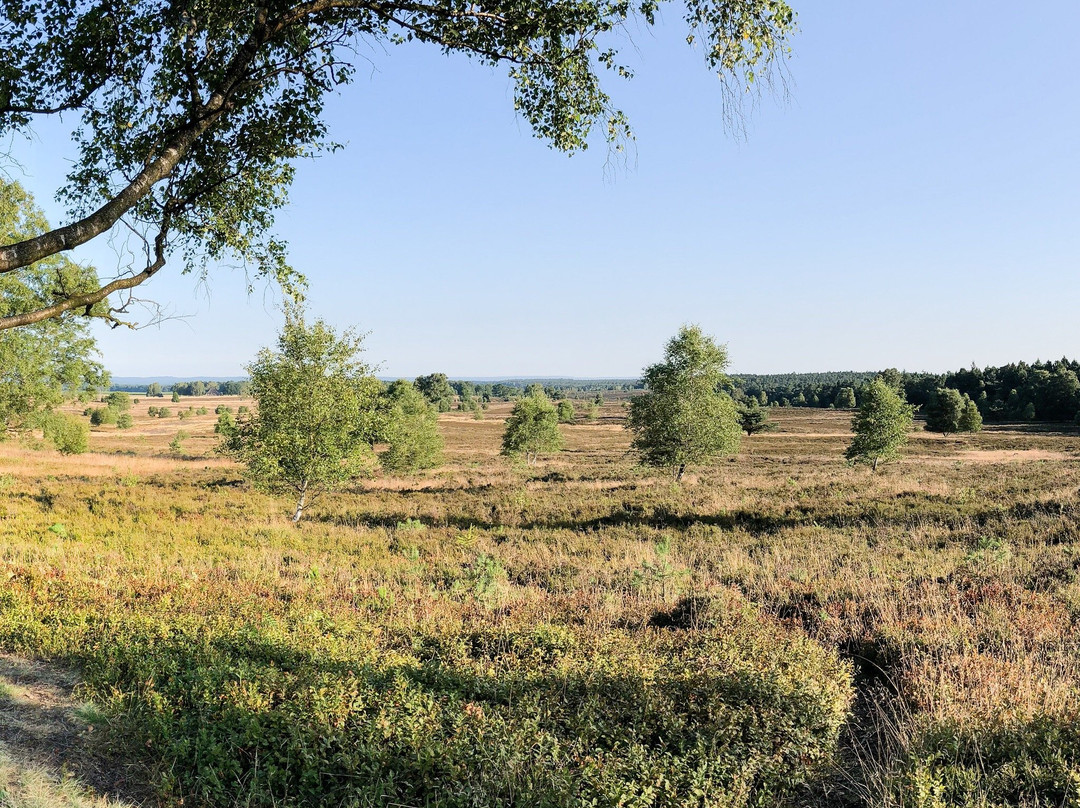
911	202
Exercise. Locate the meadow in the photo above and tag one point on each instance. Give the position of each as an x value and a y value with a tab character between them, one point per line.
778	629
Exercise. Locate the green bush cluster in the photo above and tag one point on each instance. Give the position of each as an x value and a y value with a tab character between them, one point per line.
317	713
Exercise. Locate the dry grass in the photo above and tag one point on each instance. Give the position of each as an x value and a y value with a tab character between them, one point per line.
951	579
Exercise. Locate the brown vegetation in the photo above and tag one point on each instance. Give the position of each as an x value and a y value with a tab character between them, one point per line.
948	581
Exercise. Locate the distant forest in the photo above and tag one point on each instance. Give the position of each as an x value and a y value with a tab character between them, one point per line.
1040	391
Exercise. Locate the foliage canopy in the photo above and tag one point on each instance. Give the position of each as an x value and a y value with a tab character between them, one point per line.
192	114
42	364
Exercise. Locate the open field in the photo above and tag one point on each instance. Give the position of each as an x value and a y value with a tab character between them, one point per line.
777	630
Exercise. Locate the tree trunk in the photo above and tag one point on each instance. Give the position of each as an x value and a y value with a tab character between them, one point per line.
300	505
873	468
679	472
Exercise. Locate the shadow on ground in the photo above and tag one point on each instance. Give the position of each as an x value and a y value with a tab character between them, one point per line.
46	749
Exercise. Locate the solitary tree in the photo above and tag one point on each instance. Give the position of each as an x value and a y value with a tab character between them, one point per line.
532	429
191	116
754	418
881	425
565	410
316	417
970	419
944	409
153	390
684	416
411	427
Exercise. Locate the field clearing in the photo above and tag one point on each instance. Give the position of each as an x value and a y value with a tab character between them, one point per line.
221	642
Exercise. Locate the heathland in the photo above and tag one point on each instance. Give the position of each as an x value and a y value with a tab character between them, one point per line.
776	629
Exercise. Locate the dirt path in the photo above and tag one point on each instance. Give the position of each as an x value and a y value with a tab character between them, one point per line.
44	734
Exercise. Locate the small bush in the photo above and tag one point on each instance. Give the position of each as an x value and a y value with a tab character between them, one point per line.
542	715
103	415
164	412
202	411
124	421
176	445
67	433
119	401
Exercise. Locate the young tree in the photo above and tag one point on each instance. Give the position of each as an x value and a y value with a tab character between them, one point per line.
47	363
684	417
970	419
175	397
881	424
532	429
754	418
316	417
411	426
154	391
191	117
943	411
565	410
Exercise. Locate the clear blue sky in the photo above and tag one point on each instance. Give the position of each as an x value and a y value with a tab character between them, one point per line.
914	204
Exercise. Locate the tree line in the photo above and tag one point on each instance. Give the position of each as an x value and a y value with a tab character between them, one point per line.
1040	391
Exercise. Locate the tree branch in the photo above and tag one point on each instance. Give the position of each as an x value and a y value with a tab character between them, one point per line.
89	299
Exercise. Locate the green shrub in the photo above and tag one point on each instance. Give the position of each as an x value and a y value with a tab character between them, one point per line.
119	401
202	411
411	428
66	432
316	714
103	415
176	444
1000	764
124	421
225	425
565	410
164	412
